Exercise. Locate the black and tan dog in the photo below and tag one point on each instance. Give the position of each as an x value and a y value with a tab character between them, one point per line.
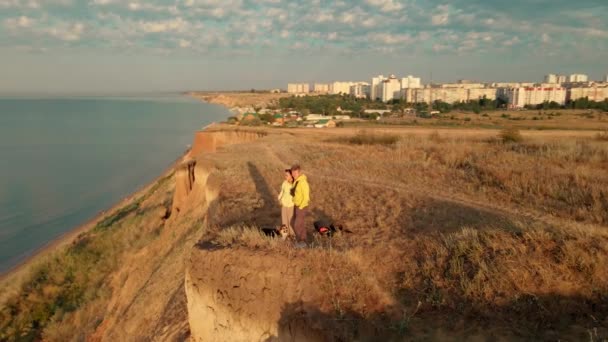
282	232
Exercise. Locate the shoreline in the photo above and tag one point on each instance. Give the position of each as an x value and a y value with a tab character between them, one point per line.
39	254
22	268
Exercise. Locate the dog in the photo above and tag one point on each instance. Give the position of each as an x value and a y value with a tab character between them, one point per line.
283	232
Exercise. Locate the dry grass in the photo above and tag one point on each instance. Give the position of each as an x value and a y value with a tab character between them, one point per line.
368	137
603	136
251	237
511	135
446	227
447	232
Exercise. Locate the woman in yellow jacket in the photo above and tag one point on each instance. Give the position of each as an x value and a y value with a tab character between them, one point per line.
286	200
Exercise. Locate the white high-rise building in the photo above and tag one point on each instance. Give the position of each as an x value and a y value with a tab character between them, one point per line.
375	91
360	90
561	79
340	87
577	78
391	89
606	79
551	78
410	82
298	88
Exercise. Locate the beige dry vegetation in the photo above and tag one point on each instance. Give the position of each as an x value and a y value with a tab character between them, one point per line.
454	233
240	99
551	119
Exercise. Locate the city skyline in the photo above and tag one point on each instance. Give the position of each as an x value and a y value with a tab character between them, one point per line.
555	89
114	46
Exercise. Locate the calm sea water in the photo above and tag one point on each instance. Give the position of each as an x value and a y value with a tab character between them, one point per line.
64	160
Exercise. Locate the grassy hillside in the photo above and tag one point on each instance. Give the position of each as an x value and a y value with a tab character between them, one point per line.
451	233
65	297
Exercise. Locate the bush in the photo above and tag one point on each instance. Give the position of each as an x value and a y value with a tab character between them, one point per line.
366	138
603	136
511	135
253	122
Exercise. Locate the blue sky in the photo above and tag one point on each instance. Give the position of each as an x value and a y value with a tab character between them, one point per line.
60	46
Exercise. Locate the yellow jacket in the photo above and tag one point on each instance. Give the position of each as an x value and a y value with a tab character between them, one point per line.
301	191
285	195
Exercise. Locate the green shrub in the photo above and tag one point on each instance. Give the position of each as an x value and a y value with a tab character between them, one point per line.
511	135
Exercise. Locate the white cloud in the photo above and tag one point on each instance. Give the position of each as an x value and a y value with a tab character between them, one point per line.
19	22
66	31
388	38
104	2
183	43
32	4
511	41
545	38
386	5
176	25
442	16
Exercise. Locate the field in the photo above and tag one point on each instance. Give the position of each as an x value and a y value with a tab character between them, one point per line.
450	233
560	119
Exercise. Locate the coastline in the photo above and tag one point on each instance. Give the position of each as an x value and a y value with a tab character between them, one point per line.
17	273
21	269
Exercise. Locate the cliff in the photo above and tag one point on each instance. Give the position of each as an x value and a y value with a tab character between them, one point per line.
438	243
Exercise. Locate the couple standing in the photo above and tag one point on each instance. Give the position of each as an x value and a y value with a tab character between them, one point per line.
294	198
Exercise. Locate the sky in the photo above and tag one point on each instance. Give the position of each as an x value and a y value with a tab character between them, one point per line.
112	46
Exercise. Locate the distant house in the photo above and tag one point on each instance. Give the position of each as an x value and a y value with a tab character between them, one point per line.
250	116
379	111
279	118
327	117
325	123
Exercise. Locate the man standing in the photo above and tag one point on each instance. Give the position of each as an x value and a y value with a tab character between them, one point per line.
301	199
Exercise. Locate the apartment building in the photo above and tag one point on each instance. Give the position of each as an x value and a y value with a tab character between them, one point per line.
376	87
594	93
411	82
480	93
340	87
321	88
391	89
298	88
578	78
360	90
522	96
551	78
430	95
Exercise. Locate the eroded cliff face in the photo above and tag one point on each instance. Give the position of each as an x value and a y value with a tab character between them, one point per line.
246	293
209	141
148	301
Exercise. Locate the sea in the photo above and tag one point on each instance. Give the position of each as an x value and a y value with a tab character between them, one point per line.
63	160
